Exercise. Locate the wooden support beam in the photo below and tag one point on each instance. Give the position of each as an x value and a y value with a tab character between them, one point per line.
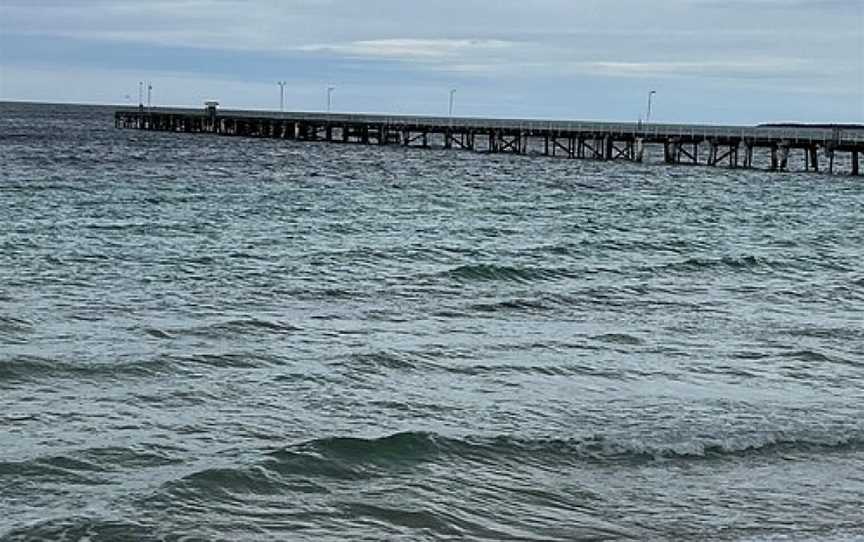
513	145
625	152
596	149
717	157
694	156
856	169
784	157
712	153
408	139
568	148
462	140
604	146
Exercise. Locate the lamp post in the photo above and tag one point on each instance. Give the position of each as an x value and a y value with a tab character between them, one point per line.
452	101
281	95
650	103
330	97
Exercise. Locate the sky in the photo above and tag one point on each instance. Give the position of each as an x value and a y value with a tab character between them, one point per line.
709	61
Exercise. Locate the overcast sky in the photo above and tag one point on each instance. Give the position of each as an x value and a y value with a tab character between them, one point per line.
716	61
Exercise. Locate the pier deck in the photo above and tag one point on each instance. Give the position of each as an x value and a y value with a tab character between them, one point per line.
729	146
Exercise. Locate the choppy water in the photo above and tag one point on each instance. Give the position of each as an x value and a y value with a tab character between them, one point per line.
207	338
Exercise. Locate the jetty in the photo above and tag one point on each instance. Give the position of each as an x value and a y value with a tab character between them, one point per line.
813	149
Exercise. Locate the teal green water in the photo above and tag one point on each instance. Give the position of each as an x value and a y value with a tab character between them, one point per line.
216	338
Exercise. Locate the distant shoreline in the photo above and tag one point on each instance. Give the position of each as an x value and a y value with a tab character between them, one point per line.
811	125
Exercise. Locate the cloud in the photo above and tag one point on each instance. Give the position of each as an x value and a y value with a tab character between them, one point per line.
754	67
408	48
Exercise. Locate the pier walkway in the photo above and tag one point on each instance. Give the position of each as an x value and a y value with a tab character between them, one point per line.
816	149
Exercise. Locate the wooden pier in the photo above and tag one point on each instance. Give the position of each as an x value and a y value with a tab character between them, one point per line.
817	149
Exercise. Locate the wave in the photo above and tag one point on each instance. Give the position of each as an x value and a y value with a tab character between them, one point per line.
384	360
60	469
26	367
816	357
505	273
230	484
590	246
412	447
808	355
82	528
552	304
321	469
513	305
619	338
88	467
464	364
10	324
387	361
828	333
736	263
232	360
240	326
14	330
747	263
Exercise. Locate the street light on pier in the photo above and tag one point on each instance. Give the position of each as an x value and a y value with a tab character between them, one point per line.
330	97
452	101
281	95
650	103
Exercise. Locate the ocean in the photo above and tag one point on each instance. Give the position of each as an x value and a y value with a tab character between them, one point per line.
219	338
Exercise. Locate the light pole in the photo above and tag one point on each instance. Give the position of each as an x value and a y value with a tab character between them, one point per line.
650	102
149	94
140	93
281	95
452	101
330	97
